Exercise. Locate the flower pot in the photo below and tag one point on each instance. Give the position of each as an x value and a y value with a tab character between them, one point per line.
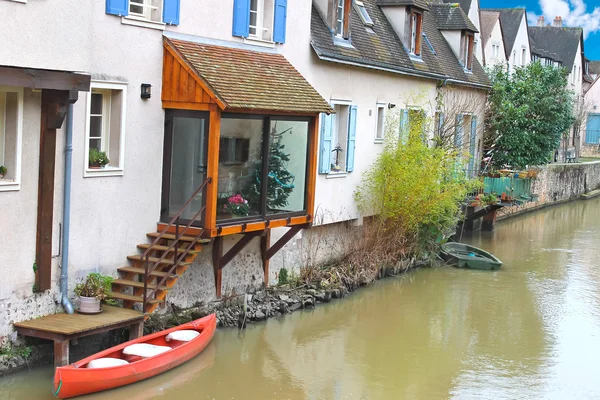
89	305
95	166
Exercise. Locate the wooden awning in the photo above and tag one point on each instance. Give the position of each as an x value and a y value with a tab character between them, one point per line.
36	78
236	79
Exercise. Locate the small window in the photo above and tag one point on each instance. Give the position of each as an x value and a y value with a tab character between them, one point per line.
146	9
234	150
514	58
523	55
467	51
495	50
339	138
339	25
105	132
363	14
11	134
380	123
261	19
416	27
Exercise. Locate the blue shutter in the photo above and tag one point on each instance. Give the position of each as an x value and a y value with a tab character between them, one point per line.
241	18
403	125
280	21
473	141
440	129
117	7
171	12
350	148
326	131
458	132
592	133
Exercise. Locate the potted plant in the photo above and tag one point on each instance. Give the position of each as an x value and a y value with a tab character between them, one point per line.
337	150
97	159
3	171
236	206
92	291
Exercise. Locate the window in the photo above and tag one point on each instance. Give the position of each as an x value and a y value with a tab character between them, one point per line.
514	58
145	13
282	169
362	13
338	139
105	131
380	123
11	135
495	50
467	51
339	23
416	26
261	19
412	121
234	150
439	125
523	55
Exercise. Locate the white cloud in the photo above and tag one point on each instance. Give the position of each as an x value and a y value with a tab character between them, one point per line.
573	13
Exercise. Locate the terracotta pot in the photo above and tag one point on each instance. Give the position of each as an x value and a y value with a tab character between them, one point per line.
95	166
89	305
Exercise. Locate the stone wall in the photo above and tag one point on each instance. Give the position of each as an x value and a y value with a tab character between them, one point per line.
559	183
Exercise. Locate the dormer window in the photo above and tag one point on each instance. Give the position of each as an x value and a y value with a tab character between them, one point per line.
416	29
467	50
339	25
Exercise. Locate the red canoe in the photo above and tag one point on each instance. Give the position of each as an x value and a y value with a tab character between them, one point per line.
149	356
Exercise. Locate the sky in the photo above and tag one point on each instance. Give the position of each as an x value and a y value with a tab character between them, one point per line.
583	13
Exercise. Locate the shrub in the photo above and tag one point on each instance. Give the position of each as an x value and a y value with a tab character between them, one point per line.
95	285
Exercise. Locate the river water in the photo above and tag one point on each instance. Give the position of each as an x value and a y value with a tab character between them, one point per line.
528	331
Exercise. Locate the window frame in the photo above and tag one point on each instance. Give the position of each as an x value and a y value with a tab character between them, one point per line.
264	215
380	106
259	28
416	31
468	46
15	184
143	20
340	17
106	88
335	134
363	13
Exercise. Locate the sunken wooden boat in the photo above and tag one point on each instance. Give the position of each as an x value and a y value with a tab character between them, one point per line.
465	256
135	360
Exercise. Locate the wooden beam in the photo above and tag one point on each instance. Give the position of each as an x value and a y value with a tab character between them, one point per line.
212	170
313	138
44	79
136	331
217	254
268	112
283	240
260	226
235	250
61	353
187	105
265	242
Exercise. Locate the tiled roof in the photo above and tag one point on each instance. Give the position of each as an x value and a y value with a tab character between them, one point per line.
247	79
488	22
511	21
562	41
417	3
451	17
594	67
464	4
383	49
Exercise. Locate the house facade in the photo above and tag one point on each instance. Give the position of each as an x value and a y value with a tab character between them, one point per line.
220	121
515	36
590	137
492	40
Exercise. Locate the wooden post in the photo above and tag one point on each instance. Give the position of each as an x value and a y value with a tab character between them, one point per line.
217	254
488	221
136	331
212	171
311	177
265	243
61	353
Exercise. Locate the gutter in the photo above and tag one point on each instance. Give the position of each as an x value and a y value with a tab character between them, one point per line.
64	274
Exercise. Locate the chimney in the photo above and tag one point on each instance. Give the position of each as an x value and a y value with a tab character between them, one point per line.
541	21
557	22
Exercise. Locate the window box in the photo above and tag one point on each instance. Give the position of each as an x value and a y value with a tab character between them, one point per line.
11	137
105	128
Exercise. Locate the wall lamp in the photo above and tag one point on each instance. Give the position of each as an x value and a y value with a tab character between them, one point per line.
391	105
146	91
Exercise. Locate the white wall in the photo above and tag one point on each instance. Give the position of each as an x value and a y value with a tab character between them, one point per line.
396	15
521	41
474	17
495	39
575	78
453	39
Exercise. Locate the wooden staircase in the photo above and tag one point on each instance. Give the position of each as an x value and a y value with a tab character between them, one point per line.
160	263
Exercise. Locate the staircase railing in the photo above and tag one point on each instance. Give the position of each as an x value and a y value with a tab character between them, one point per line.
178	256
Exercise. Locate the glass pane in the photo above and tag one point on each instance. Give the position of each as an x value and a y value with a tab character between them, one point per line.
95	126
135	7
286	183
95	144
188	165
96	104
240	168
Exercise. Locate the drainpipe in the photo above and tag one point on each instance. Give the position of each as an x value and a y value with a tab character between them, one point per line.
64	274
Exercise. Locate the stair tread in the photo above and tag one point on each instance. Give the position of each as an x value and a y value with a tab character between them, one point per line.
165	248
139	299
137	284
171	236
155	259
135	270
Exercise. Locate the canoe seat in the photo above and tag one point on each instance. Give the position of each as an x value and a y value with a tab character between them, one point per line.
106	363
184	335
144	350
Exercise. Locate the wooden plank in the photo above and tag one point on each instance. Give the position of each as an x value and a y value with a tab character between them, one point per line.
206	97
265	243
45	214
184	105
260	226
61	353
183	86
44	79
167	76
175	81
191	89
313	137
136	331
199	94
212	169
217	253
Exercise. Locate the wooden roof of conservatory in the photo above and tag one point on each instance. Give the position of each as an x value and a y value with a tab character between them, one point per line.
237	78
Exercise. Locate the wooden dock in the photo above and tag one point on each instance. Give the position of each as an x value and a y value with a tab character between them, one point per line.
61	328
